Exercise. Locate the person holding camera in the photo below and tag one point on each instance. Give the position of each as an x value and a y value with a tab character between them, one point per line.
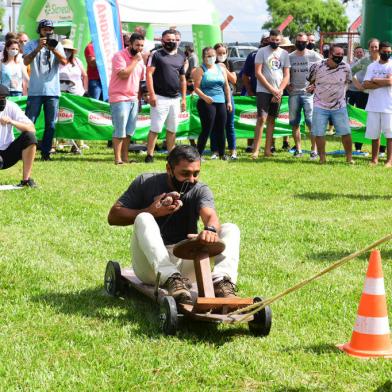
44	57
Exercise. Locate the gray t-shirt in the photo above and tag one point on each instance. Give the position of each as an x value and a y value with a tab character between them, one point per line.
273	63
299	70
175	227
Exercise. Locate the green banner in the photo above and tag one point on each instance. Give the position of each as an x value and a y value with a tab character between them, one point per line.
89	119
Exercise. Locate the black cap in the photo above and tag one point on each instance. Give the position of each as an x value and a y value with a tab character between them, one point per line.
44	23
4	91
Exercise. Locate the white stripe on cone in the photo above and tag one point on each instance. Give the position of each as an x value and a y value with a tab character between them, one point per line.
372	325
374	286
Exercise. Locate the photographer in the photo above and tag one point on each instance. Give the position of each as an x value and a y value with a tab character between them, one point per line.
44	56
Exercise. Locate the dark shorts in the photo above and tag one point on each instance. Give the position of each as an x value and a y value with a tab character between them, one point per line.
265	107
13	153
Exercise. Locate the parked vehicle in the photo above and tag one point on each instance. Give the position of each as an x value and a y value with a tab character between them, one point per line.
237	55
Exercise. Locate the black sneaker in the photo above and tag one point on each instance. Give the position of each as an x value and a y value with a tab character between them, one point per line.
149	159
46	157
30	183
178	288
223	157
273	149
285	146
249	149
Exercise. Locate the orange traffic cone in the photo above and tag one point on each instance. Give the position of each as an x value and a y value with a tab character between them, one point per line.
371	335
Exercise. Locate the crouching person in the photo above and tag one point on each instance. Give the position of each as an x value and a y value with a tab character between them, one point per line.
22	148
158	227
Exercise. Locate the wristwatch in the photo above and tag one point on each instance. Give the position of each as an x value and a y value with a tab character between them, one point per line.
210	228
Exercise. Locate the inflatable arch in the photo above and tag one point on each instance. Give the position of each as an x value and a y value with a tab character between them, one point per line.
70	18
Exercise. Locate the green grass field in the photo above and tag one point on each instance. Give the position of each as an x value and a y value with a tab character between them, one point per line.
59	331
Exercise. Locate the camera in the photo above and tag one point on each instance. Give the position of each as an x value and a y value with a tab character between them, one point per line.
50	41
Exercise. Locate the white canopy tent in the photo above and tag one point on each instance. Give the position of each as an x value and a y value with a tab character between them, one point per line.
170	12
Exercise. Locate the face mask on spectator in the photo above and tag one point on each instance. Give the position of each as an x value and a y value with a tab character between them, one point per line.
13	52
211	60
273	45
310	46
133	52
337	59
385	56
300	45
3	102
222	58
169	46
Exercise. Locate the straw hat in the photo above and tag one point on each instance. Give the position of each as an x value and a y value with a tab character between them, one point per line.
286	43
68	44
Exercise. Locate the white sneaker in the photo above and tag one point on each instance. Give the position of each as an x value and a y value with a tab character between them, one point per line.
214	156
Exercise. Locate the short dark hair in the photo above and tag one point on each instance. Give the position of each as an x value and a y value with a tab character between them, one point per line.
336	46
384	44
169	31
358	47
189	48
136	36
301	34
183	152
275	33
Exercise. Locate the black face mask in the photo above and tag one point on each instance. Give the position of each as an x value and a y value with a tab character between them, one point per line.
385	56
3	102
133	52
181	187
337	59
310	46
300	45
273	45
169	46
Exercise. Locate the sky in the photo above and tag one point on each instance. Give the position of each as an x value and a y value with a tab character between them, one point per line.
250	15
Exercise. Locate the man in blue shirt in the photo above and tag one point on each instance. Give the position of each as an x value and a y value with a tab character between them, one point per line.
44	57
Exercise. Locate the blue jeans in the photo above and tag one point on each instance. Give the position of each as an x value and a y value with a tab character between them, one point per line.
230	132
124	117
296	104
95	89
51	106
339	118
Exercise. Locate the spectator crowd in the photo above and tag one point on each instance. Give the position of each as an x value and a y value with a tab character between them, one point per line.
318	86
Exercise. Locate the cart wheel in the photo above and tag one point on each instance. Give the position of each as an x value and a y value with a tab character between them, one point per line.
113	280
262	320
169	316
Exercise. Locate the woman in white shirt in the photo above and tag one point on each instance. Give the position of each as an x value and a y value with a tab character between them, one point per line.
73	80
13	71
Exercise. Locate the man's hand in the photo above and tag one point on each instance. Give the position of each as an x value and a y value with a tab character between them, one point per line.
310	89
229	107
153	100
183	105
138	57
42	43
277	93
157	209
5	120
205	236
